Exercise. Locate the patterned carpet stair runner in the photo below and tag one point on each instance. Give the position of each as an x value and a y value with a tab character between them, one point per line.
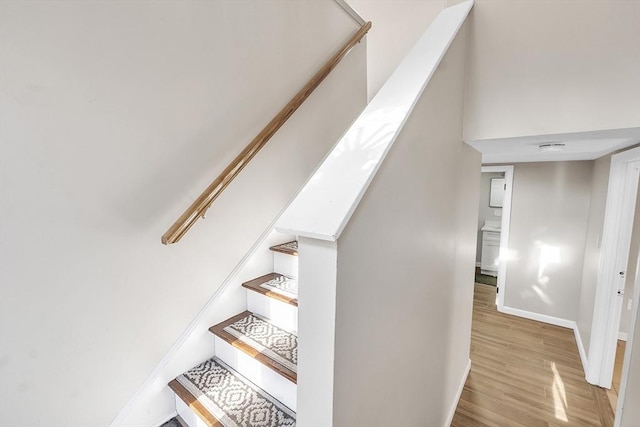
222	397
232	399
275	286
283	285
273	346
289	248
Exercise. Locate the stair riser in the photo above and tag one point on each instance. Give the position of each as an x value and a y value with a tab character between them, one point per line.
188	416
279	313
285	264
262	376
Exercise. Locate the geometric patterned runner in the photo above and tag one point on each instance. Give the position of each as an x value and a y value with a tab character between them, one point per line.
232	399
274	342
290	248
283	285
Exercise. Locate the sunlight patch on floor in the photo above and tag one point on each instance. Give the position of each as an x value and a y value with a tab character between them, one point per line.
559	395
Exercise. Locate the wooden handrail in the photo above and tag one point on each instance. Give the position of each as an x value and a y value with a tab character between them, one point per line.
199	207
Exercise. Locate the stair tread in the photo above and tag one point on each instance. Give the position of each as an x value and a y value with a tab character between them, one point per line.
222	397
289	248
255	335
276	286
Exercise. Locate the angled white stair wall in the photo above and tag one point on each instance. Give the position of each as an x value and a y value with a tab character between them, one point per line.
386	232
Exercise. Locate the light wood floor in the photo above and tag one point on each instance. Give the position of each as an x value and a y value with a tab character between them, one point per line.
617	375
525	373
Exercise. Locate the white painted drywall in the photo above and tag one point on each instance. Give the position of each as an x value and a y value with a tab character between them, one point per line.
397	26
486	213
549	213
598	199
115	116
546	67
405	269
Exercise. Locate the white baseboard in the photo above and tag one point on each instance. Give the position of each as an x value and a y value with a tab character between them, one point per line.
477	264
581	350
454	406
565	323
622	336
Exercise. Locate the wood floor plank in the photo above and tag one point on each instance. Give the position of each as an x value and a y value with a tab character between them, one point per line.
525	373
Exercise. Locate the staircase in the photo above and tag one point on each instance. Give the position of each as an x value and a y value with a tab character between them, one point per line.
251	379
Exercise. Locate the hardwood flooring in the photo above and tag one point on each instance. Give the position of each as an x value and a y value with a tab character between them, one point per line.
617	375
525	373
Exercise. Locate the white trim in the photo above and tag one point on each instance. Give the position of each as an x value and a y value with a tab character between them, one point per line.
165	418
581	349
558	321
478	264
351	11
454	406
626	364
614	255
504	233
622	336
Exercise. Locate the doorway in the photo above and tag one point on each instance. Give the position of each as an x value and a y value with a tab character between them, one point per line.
493	228
613	274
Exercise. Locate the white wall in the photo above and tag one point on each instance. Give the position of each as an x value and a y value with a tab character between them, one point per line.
397	26
546	67
549	214
115	115
405	269
485	212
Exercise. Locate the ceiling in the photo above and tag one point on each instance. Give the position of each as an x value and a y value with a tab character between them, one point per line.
578	146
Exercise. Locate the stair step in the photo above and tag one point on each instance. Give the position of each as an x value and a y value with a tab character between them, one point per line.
289	248
222	398
271	345
176	421
276	286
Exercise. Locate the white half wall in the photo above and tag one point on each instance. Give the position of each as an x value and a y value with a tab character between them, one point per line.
405	269
115	116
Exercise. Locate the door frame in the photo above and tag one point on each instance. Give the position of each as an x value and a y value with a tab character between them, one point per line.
504	232
614	256
629	348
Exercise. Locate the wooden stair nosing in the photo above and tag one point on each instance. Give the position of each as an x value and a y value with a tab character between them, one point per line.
192	402
219	331
254	285
279	248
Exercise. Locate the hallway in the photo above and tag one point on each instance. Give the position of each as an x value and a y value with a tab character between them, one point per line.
525	373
